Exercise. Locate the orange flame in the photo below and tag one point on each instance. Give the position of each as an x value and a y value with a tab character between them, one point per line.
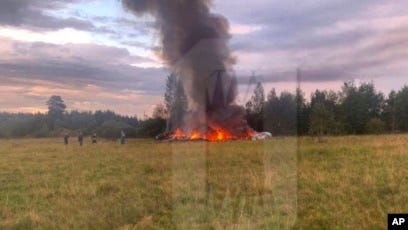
178	134
195	135
219	135
215	135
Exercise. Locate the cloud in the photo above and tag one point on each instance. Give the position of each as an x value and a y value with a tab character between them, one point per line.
41	16
333	40
31	95
34	14
76	72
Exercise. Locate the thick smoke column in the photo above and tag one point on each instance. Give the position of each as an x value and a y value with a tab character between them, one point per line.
194	44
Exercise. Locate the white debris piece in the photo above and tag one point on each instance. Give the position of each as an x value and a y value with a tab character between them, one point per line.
262	136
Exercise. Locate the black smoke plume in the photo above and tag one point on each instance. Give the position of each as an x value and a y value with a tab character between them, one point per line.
194	44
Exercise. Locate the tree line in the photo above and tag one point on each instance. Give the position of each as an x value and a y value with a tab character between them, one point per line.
355	109
58	120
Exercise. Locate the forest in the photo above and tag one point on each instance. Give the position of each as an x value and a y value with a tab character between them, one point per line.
354	110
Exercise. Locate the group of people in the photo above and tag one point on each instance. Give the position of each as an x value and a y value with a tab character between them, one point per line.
94	138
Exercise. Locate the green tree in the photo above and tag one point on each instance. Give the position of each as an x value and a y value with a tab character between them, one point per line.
175	102
321	120
360	104
169	94
331	102
281	113
303	113
390	112
56	109
375	126
401	105
255	108
257	100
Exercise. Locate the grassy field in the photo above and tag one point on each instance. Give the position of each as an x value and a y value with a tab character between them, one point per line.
344	183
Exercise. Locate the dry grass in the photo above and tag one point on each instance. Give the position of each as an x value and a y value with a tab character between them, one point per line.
277	184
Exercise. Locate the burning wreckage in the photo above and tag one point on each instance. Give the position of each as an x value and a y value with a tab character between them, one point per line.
194	44
212	136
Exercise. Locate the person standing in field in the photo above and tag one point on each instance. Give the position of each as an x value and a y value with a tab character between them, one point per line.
80	138
122	137
94	138
66	137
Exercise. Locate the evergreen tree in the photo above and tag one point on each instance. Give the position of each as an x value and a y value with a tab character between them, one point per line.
302	113
255	108
321	120
281	113
330	101
401	104
175	101
56	109
390	113
360	104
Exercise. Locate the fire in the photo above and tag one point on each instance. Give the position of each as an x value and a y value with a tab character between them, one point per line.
220	135
214	135
178	134
195	135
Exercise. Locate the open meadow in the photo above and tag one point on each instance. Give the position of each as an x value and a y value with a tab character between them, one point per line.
276	184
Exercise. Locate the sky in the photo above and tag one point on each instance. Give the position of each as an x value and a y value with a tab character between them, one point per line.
98	56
